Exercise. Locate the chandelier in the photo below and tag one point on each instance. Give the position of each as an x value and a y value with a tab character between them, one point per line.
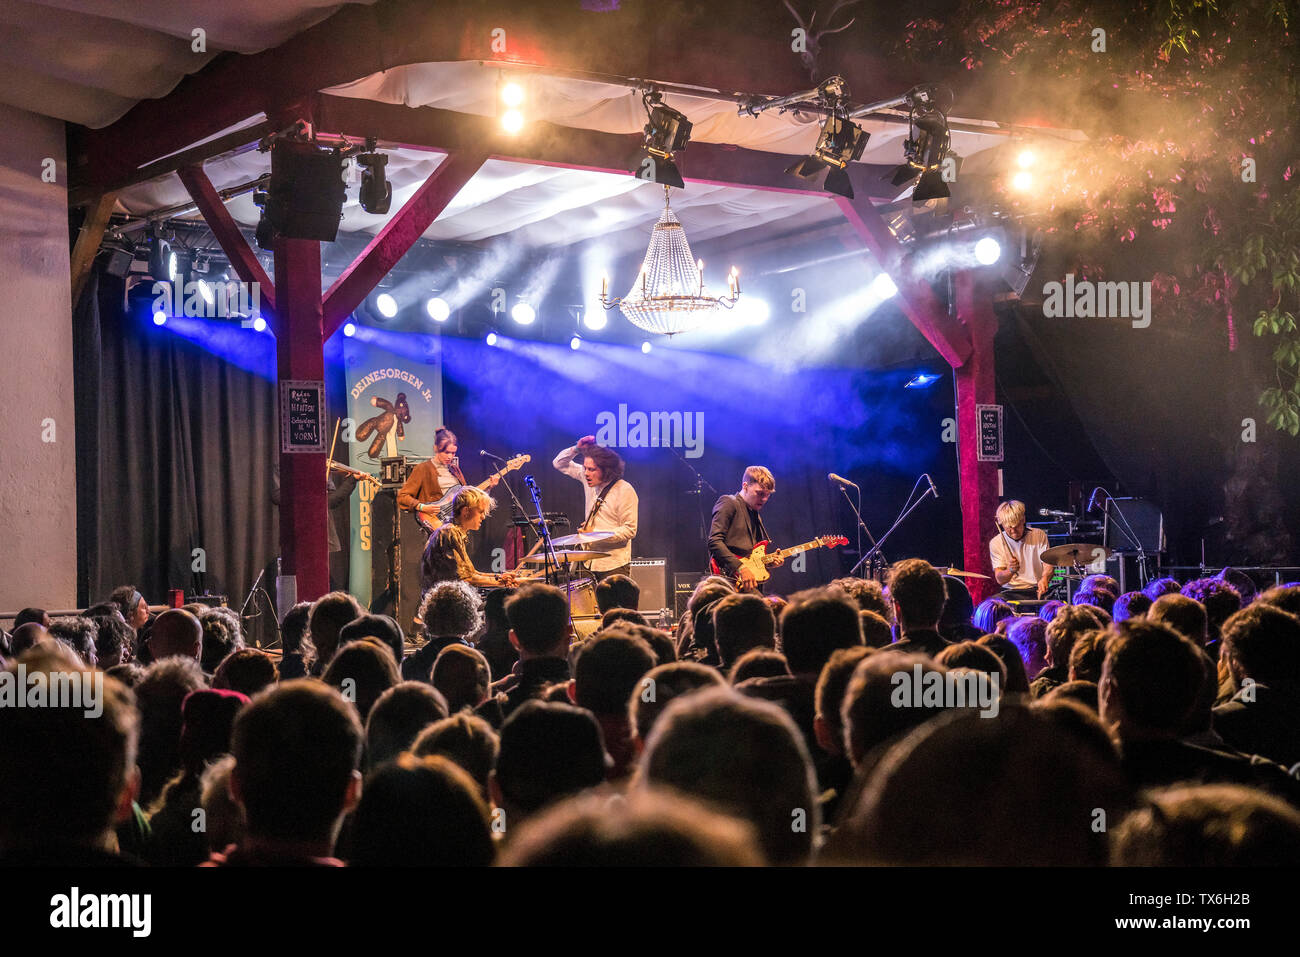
668	295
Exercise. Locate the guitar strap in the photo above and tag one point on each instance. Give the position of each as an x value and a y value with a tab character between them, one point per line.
595	506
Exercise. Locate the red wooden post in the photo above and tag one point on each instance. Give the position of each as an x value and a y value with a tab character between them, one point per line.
304	543
976	386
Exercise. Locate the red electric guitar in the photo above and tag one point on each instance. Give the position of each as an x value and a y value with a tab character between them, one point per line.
759	559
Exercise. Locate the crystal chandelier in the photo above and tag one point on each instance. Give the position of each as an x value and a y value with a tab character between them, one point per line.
668	295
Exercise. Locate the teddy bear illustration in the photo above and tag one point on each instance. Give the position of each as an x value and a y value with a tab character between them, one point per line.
396	413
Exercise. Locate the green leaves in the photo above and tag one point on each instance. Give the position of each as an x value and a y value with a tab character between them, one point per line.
1283	409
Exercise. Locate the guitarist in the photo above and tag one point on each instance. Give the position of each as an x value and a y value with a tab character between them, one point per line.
431	479
737	527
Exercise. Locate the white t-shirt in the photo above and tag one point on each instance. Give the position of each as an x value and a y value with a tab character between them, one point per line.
1028	552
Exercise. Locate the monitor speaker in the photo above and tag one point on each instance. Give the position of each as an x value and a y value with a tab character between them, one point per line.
307	192
1130	521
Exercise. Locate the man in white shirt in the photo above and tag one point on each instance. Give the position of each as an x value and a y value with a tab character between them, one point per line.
1017	554
610	503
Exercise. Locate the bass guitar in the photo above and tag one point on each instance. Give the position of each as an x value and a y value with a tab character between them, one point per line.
759	558
439	513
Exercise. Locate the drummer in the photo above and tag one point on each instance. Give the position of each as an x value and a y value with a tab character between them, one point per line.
610	501
446	556
1017	554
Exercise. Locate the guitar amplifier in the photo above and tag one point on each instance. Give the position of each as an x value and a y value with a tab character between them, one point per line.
395	564
394	471
651	574
683	584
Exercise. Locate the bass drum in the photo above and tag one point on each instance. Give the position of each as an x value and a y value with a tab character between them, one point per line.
582	598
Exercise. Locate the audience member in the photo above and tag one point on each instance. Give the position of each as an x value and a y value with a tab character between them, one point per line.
617	591
362	671
161	695
114	640
917	595
452	614
329	614
989	612
1029	636
666	683
176	632
78	633
1261	651
397	719
383	627
1080	692
1049	609
1286	597
540	631
1162	586
1220	601
610	670
420	812
495	643
828	723
758	663
461	673
1184	615
957	621
466	739
220	639
742	622
134	609
615	615
1086	656
247	671
298	653
1017	679
547	751
743	756
868	594
1131	604
1068	624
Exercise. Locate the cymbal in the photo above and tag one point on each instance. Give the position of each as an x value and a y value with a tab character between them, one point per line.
1074	553
581	538
961	574
561	556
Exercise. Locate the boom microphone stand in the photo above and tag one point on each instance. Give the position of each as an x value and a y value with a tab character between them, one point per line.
862	527
552	564
875	551
698	491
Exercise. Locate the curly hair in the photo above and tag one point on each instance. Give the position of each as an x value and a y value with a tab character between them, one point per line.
451	609
608	461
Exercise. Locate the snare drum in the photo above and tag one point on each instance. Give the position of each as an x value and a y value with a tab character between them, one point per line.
582	598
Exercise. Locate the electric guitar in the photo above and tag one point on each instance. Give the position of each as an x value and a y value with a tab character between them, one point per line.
759	559
440	512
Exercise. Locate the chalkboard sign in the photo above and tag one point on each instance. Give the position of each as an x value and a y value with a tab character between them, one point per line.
302	415
990	419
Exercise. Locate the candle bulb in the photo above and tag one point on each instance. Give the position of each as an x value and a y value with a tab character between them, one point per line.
604	287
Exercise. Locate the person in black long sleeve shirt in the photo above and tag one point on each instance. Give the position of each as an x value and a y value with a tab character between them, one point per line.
737	527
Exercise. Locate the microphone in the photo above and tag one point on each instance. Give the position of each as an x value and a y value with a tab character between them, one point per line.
932	488
1053	513
487	454
841	480
1092	502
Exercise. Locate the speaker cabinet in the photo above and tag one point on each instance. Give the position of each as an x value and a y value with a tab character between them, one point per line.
1130	521
395	562
651	574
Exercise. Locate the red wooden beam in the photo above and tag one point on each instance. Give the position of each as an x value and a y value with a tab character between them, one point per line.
918	301
233	244
976	385
304	542
398	235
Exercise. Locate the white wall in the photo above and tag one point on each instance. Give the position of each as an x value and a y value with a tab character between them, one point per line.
38	527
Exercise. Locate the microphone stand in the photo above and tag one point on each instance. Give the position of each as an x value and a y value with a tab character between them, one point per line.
875	551
551	563
515	498
862	527
698	491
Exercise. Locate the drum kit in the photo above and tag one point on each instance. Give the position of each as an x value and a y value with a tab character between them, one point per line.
572	550
1076	560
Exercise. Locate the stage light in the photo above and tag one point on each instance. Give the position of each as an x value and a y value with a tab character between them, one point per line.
349	329
490	338
987	251
386	305
575	343
924	153
666	132
841	142
752	312
523	313
259	324
594	319
512	121
205	290
921	380
883	286
645	347
160	255
376	193
512	94
160	318
1025	159
1022	181
437	309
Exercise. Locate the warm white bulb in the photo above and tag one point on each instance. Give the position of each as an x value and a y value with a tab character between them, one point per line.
512	121
512	94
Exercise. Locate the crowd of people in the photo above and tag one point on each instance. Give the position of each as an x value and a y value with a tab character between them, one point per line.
852	723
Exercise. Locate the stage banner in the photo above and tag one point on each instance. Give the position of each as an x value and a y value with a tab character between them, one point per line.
394	407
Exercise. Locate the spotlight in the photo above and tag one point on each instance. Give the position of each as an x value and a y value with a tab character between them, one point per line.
841	142
160	255
594	319
883	286
924	152
490	338
160	318
666	132
437	309
523	313
349	329
259	324
265	234
376	193
512	121
576	342
207	292
987	251
1022	181
645	347
512	94
921	380
386	305
1025	159
752	312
